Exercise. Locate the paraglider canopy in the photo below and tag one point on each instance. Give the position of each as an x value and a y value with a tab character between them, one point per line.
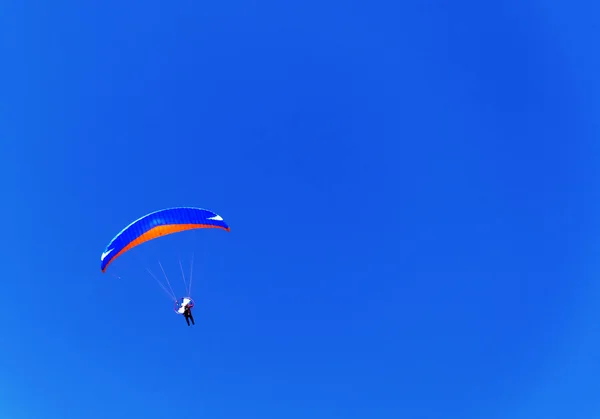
158	224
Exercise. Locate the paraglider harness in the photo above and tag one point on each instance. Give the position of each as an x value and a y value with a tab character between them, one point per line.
184	306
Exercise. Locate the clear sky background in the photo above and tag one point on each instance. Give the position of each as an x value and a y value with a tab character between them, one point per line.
412	189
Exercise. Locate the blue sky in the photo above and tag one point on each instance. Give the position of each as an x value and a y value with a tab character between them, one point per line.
412	192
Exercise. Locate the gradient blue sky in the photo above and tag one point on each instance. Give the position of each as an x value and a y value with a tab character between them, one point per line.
412	189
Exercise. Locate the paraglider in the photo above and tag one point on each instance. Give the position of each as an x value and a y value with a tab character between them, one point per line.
187	313
185	307
158	224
